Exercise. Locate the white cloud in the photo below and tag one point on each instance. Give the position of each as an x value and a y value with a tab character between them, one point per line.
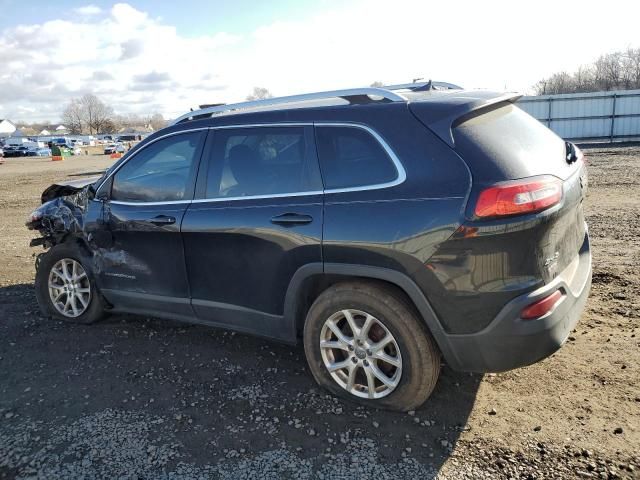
138	63
127	16
88	10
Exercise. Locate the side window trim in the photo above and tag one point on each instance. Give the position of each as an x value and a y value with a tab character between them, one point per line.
208	145
401	173
201	145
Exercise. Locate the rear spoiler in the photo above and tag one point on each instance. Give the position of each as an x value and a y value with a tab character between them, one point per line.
441	113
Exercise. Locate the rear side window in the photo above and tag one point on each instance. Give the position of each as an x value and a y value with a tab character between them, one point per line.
262	161
352	157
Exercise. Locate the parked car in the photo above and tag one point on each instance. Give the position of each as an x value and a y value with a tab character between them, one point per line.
39	152
1	156
8	150
128	138
15	151
386	230
114	148
61	142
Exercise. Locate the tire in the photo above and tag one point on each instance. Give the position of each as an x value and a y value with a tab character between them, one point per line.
94	310
413	350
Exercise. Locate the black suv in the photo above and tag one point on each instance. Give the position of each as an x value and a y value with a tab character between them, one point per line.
388	228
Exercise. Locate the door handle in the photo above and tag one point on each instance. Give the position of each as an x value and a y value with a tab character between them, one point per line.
162	220
290	219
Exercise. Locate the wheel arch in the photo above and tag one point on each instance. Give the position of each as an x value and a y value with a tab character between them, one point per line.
69	239
74	249
313	279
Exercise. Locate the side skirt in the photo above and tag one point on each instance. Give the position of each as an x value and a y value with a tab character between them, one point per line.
201	312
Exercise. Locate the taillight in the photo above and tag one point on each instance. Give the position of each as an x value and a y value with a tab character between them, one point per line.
541	307
518	197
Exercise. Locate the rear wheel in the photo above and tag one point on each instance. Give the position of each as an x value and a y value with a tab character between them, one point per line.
363	342
65	288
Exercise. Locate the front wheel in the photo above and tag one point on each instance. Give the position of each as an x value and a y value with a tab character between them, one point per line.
65	288
364	343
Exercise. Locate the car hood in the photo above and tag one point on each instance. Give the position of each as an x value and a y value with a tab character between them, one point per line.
63	189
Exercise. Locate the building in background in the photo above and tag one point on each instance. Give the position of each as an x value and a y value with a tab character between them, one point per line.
7	128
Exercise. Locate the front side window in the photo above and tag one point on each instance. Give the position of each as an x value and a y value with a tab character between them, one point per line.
261	161
161	172
351	157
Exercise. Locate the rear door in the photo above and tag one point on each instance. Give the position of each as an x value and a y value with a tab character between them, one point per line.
145	268
257	220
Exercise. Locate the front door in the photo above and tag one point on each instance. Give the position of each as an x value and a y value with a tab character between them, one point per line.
144	268
258	220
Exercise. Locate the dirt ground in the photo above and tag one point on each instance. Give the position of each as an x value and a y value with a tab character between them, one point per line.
135	397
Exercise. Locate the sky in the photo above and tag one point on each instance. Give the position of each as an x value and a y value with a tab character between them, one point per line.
147	56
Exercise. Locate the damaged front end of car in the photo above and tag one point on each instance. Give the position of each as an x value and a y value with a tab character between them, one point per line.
61	213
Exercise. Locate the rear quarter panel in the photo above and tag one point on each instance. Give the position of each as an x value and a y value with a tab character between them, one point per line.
400	227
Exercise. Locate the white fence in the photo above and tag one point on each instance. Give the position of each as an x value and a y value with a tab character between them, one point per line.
589	117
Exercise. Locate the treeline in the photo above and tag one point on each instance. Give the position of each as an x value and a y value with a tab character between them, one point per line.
89	115
612	71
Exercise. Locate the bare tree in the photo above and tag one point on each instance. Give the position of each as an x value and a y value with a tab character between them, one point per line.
607	71
109	126
86	114
132	121
541	87
259	93
616	70
95	113
157	121
631	68
557	83
582	79
72	117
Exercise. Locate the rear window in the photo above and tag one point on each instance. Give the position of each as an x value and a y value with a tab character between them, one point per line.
351	157
507	143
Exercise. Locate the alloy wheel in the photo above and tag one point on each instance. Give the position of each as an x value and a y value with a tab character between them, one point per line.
69	288
361	354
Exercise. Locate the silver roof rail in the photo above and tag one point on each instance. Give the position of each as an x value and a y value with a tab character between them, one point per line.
353	95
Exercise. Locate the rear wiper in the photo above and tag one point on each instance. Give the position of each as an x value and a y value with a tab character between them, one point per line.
571	154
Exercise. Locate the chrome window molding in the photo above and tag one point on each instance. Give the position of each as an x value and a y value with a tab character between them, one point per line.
168	202
258	197
401	173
